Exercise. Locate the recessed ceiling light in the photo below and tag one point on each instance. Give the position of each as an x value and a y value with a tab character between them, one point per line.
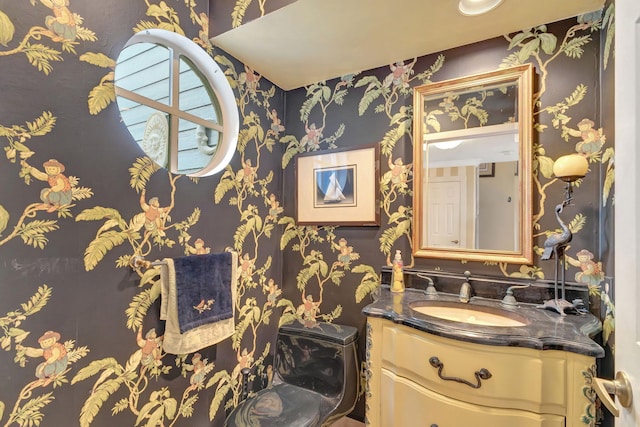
477	7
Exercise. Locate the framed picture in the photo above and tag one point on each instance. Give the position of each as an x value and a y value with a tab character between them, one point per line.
338	187
486	169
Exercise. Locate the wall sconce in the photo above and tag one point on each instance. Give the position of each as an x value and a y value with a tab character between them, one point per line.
569	169
477	7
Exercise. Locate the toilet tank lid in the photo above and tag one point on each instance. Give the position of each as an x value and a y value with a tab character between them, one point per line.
339	334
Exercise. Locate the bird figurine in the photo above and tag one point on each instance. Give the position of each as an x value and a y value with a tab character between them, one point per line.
557	240
554	247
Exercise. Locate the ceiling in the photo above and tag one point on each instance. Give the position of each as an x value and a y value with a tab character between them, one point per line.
314	40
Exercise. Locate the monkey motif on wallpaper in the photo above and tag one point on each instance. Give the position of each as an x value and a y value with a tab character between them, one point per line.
198	248
153	216
591	272
150	348
60	191
246	266
202	19
592	139
400	74
62	24
274	207
249	78
54	354
272	292
245	360
346	254
311	139
248	172
198	366
276	123
308	310
399	172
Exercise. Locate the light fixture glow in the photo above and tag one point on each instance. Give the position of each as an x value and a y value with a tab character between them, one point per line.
477	7
570	167
447	145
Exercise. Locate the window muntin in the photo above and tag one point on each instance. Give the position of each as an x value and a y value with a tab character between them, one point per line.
163	72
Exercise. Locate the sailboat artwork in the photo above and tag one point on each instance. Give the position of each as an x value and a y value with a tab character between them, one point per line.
333	193
335	186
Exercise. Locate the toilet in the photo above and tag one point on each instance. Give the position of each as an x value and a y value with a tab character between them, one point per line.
316	379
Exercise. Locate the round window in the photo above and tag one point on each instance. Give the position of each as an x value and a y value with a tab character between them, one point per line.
176	103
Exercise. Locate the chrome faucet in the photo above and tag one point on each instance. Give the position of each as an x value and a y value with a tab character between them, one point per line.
510	300
465	289
431	288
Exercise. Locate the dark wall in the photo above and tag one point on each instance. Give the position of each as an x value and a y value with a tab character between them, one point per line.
65	268
61	270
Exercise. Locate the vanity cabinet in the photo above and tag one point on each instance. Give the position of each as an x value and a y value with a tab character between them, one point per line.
416	378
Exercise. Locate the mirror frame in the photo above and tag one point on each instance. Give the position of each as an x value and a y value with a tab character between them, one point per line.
521	75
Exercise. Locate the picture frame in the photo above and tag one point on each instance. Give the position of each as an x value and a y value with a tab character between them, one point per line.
486	170
338	187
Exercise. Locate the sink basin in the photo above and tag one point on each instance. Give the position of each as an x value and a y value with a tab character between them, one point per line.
470	314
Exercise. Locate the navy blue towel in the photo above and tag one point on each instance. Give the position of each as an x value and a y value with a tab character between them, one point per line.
203	285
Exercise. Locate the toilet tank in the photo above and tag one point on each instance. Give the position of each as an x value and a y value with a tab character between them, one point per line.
316	358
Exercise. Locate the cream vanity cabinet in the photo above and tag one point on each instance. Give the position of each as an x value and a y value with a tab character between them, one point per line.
416	378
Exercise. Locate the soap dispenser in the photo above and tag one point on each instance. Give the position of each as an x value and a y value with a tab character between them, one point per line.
397	273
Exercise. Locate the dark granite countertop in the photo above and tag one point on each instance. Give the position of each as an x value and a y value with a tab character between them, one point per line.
546	329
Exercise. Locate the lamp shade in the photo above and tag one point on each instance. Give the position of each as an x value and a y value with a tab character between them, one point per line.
570	167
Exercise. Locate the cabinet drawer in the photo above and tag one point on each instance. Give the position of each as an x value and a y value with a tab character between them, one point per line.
520	378
407	404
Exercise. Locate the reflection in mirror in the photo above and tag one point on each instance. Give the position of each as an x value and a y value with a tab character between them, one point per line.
163	74
472	192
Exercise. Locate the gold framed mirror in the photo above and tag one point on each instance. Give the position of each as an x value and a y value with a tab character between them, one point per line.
472	156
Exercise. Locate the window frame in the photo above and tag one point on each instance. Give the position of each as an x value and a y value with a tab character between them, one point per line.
219	90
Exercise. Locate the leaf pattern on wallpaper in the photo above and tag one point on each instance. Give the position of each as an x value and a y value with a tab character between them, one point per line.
163	17
56	198
396	183
53	355
144	363
239	10
63	29
316	273
369	282
320	98
591	414
258	208
151	229
608	159
4	219
608	22
7	29
542	48
104	93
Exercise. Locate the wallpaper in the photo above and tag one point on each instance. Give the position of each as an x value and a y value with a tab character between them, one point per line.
81	336
82	339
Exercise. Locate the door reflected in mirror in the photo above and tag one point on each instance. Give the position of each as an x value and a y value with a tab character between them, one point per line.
472	195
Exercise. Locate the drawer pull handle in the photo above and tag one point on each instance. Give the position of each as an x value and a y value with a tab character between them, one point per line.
482	374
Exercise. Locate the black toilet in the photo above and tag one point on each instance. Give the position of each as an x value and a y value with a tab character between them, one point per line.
316	379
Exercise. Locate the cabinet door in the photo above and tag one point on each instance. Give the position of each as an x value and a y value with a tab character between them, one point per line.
405	403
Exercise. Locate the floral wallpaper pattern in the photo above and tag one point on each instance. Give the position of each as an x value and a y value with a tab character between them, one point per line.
67	356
